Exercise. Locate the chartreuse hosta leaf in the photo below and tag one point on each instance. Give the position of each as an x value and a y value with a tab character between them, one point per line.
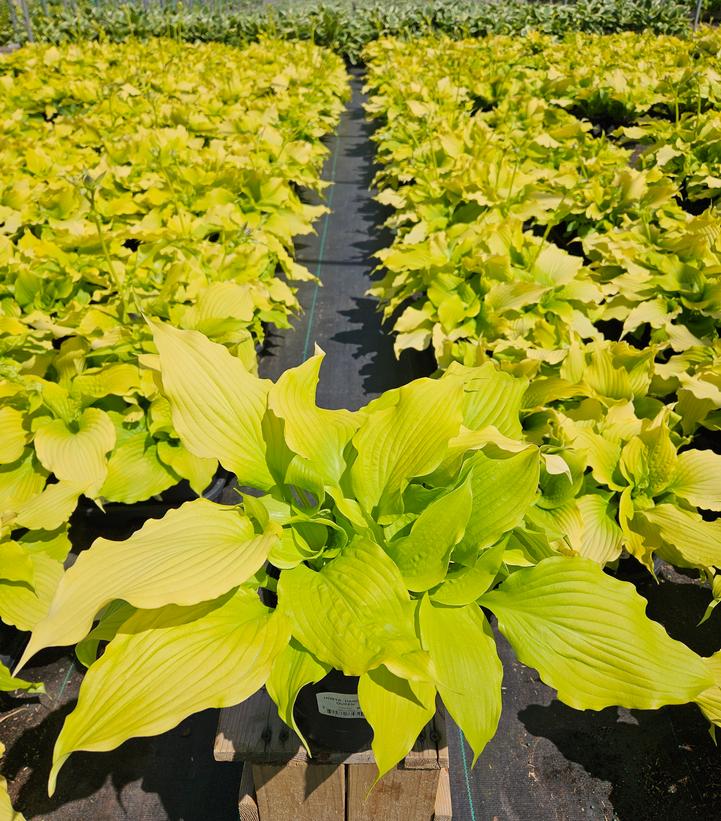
697	478
51	508
25	605
316	434
180	660
491	398
13	435
503	490
355	613
423	555
463	585
15	563
710	700
468	670
587	526
135	471
588	636
293	668
193	554
397	710
217	405
682	536
77	453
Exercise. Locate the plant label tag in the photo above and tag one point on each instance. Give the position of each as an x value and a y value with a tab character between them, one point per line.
339	705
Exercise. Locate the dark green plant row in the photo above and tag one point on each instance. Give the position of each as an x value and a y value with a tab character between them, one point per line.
342	25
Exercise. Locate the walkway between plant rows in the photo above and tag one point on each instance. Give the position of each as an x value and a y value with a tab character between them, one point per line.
546	763
337	313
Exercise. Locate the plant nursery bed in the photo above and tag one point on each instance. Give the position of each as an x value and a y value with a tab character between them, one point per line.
546	762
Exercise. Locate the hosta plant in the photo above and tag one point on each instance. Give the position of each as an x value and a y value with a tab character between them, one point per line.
396	530
155	179
539	196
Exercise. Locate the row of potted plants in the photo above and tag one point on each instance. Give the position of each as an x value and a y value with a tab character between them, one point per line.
143	179
380	540
345	26
529	232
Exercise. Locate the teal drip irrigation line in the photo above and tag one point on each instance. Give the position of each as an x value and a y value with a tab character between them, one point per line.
66	679
465	774
321	252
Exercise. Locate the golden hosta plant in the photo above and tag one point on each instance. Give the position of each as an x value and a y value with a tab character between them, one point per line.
139	179
544	190
394	528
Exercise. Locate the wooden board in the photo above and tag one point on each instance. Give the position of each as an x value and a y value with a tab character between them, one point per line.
444	807
247	807
401	795
253	731
296	791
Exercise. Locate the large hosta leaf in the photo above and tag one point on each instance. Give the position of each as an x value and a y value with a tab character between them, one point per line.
316	434
77	454
406	435
165	665
193	554
588	636
503	489
469	672
397	710
293	668
217	405
355	613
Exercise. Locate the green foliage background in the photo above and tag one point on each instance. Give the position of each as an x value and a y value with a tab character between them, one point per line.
342	25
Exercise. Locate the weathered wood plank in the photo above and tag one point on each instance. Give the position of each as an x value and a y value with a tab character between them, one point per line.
247	806
241	729
444	807
296	791
401	795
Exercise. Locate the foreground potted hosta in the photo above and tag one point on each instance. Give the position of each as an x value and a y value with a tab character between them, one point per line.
395	529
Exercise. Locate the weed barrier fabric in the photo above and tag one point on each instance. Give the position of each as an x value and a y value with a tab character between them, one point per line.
338	315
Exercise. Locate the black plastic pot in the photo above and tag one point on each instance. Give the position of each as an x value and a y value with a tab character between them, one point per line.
329	716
